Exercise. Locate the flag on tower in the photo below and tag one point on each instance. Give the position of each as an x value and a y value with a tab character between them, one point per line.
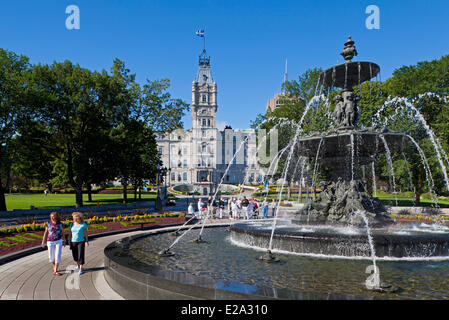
200	33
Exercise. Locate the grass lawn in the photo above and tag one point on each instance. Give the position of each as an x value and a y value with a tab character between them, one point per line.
24	201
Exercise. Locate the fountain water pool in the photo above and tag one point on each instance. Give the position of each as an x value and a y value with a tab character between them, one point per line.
226	267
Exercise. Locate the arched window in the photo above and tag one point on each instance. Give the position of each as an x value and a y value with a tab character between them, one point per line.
204	98
204	122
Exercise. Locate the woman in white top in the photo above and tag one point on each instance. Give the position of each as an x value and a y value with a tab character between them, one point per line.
190	210
234	209
200	207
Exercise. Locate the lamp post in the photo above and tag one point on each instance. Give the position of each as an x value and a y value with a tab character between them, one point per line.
158	202
164	173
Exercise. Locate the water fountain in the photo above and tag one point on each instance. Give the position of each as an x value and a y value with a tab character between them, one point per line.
344	199
322	251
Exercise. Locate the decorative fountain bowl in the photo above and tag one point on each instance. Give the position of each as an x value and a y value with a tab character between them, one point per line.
349	74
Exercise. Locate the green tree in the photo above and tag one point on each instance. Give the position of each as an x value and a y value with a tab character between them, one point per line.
144	109
77	107
14	76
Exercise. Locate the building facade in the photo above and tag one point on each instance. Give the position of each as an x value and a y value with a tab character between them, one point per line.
204	156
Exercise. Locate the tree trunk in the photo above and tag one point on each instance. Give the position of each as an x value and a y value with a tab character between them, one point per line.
135	192
125	190
79	197
2	199
417	198
89	192
300	194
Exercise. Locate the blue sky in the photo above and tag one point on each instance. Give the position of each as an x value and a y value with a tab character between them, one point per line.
248	41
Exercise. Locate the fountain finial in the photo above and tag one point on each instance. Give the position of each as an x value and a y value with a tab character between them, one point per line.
349	50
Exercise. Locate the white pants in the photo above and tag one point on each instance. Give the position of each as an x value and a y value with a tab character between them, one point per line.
54	250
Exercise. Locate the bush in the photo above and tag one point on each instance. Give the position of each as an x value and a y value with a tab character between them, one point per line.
404	212
434	211
283	204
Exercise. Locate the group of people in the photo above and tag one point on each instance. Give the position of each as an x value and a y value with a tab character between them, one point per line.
237	208
55	239
208	207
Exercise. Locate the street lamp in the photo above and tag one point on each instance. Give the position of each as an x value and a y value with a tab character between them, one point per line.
158	202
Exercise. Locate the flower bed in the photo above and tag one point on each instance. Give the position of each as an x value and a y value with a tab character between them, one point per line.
30	235
421	219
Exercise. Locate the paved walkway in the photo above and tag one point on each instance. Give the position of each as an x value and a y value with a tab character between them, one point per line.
31	277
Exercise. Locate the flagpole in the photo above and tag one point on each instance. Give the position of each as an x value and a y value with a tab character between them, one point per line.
204	42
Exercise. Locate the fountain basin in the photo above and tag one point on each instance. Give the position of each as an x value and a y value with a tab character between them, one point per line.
142	275
328	241
224	269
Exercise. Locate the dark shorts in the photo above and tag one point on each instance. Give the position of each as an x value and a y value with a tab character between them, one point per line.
78	249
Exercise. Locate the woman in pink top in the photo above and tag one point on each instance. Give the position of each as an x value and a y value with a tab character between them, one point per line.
53	237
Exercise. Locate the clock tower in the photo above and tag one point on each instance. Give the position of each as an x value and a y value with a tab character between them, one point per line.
204	126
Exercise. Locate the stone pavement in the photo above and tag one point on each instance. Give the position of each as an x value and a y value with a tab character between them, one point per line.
31	277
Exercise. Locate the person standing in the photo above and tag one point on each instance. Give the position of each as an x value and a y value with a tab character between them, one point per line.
200	207
245	204
78	240
190	209
249	210
274	207
221	205
233	211
53	235
204	209
238	203
265	208
209	205
256	208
